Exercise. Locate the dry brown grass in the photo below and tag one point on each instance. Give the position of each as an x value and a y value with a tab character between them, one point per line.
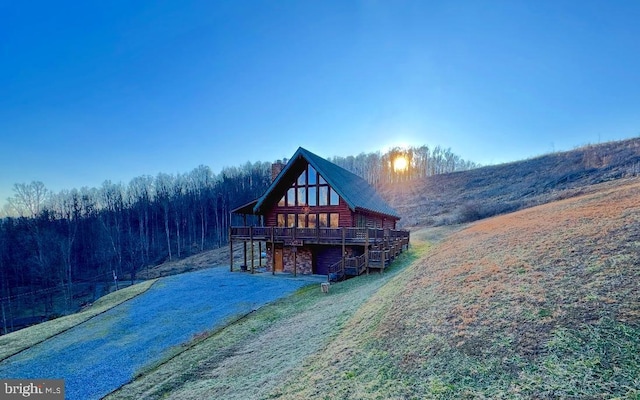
478	316
522	274
206	259
499	189
541	303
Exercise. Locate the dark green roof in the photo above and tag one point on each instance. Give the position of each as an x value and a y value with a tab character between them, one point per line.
354	190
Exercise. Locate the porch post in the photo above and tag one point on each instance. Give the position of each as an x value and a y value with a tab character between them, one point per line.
344	249
251	241
273	254
244	244
366	250
230	251
260	253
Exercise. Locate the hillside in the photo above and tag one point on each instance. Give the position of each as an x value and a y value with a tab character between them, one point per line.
483	192
541	303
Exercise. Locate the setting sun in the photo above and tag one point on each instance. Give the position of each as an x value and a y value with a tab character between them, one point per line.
400	164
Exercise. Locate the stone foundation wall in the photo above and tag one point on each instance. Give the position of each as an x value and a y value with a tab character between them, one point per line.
269	262
304	260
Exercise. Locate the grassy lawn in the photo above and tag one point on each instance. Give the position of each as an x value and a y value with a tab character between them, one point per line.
249	358
539	304
15	342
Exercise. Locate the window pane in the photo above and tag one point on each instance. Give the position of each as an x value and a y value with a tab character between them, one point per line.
324	195
322	181
301	221
291	197
323	220
301	178
312	176
334	220
281	220
334	199
282	203
291	220
311	221
302	196
312	196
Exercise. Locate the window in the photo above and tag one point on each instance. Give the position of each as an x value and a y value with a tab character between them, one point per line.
302	178
334	220
313	196
302	196
310	189
311	221
291	220
281	219
291	197
323	220
324	195
334	200
301	221
312	176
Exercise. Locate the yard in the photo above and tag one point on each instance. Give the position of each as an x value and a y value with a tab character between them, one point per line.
103	353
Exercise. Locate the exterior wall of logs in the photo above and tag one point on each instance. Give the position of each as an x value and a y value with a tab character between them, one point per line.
335	252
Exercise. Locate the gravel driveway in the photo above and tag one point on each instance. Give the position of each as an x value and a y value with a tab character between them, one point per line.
98	356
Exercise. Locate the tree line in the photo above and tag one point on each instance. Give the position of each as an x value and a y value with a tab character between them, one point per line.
60	245
421	161
58	248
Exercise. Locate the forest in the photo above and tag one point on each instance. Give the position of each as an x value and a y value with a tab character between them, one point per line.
59	251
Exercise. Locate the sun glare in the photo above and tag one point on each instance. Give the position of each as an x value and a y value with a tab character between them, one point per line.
400	164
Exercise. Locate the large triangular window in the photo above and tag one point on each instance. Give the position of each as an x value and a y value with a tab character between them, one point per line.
310	189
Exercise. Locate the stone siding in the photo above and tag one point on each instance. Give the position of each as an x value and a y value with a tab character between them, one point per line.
304	260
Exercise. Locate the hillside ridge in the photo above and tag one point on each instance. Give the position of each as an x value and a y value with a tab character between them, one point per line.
537	304
466	196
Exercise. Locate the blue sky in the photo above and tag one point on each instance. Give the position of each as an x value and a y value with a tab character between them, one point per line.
91	91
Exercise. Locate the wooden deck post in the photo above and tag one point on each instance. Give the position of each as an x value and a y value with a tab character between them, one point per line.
244	245
295	262
344	249
230	251
251	241
366	250
260	253
273	254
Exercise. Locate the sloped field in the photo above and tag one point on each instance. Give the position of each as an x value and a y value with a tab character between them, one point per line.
541	303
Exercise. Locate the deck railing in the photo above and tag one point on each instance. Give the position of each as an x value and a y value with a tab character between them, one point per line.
379	257
350	235
335	272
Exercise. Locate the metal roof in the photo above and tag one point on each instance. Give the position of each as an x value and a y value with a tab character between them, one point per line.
354	190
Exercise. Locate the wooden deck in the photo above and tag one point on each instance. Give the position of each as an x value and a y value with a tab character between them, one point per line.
383	245
300	236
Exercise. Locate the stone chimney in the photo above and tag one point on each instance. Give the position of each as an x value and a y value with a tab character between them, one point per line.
276	168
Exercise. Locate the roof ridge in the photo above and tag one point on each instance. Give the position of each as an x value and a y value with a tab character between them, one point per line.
353	188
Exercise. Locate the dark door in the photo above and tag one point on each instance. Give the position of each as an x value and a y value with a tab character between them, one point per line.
326	257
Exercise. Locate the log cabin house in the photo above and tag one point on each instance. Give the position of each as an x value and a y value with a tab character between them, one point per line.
318	218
